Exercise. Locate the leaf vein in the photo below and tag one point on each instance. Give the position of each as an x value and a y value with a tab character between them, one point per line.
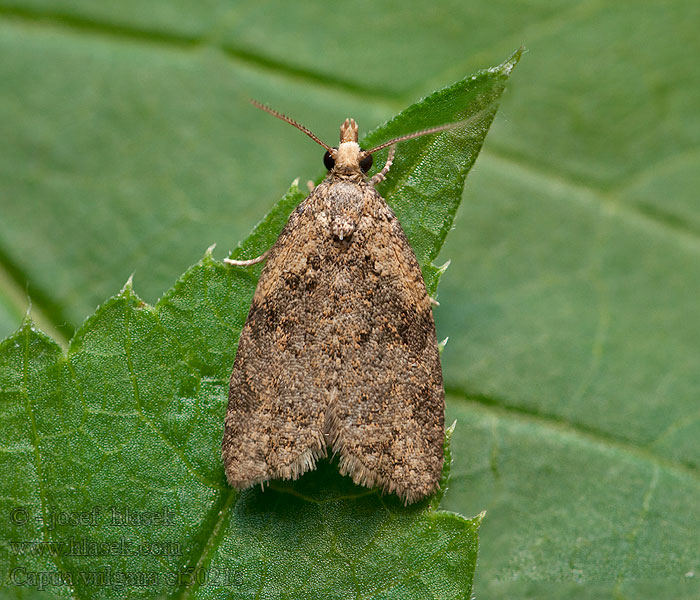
500	408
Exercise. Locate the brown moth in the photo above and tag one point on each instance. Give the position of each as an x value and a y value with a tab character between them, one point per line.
339	350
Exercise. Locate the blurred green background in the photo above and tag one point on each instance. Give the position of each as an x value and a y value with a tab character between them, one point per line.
571	304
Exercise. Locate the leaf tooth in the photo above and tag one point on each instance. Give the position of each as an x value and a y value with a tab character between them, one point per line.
128	293
442	268
128	287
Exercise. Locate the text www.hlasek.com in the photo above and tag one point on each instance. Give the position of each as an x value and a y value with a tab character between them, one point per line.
87	547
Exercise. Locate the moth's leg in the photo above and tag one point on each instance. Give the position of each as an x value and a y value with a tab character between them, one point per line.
310	185
247	263
433	301
381	176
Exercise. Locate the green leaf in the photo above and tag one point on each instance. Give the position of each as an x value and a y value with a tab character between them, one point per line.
571	305
128	424
132	148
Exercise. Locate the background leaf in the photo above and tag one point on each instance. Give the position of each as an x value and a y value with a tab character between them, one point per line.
570	302
130	421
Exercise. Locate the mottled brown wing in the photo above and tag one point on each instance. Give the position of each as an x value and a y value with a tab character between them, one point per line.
386	417
275	417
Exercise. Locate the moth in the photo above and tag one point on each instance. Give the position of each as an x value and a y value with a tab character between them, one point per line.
339	353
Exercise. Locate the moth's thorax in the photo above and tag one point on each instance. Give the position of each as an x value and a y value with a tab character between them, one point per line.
339	204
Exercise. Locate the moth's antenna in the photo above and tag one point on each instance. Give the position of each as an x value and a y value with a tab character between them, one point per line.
299	126
415	134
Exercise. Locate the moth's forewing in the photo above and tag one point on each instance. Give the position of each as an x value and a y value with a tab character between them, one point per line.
275	417
387	418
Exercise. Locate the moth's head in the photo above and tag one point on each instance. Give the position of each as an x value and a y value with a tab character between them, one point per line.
348	157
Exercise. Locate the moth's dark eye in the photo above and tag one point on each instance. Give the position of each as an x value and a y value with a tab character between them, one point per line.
366	163
328	160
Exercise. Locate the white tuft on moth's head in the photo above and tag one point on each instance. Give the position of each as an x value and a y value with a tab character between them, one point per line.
347	155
